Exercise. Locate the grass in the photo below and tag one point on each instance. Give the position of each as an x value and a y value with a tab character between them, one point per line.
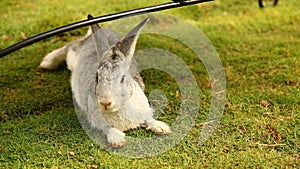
260	52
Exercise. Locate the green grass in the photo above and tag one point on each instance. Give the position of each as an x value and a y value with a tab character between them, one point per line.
260	53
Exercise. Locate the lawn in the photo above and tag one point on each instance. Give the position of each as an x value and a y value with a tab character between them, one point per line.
259	50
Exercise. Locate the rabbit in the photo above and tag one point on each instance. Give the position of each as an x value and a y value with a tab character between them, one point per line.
106	83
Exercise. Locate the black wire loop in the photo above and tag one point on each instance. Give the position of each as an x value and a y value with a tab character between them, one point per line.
105	18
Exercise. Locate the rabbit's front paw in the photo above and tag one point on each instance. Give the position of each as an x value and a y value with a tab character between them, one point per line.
159	127
116	138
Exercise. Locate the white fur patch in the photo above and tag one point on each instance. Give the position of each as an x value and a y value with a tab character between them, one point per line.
116	137
159	127
52	60
71	60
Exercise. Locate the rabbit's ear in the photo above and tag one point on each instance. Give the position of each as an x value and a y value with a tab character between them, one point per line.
100	39
127	45
95	27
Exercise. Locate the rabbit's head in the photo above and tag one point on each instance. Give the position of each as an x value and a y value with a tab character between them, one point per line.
114	84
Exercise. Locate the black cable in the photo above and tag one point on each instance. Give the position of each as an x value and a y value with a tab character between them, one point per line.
105	18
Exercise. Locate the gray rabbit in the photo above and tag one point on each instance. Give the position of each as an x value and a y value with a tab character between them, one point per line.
106	83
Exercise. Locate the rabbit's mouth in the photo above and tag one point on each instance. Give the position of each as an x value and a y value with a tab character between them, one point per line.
108	108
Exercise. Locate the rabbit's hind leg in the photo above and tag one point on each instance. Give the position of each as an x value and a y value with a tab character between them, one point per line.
53	59
66	53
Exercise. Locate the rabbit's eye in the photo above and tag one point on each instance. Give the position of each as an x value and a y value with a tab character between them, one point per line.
96	78
123	79
114	57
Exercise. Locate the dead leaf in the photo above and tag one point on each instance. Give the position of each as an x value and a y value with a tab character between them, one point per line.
5	37
265	103
71	153
23	36
91	166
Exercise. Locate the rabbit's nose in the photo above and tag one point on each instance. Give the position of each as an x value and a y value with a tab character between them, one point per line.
105	104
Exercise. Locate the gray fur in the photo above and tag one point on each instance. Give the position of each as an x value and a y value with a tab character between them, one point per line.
106	82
